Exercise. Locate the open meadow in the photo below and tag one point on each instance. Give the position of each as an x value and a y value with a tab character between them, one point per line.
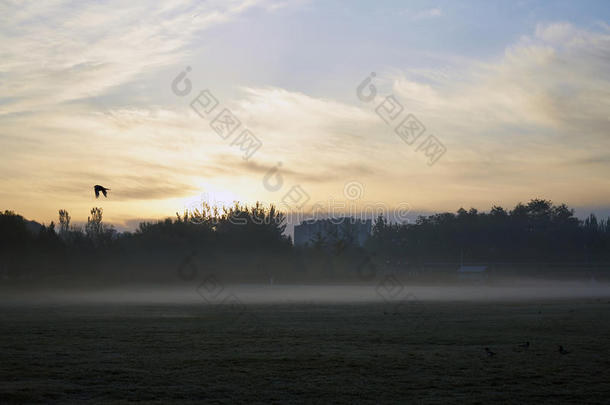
413	352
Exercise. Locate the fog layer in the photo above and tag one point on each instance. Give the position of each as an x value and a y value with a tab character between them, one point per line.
213	292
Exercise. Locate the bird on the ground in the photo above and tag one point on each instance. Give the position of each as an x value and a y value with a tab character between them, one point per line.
489	352
97	188
525	345
562	350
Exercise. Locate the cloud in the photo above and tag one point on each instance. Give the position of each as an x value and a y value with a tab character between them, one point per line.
557	81
64	51
556	32
424	14
124	188
328	172
513	124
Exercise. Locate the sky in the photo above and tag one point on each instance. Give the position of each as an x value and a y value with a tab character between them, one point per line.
514	98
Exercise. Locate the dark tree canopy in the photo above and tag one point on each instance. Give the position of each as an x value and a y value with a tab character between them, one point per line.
251	241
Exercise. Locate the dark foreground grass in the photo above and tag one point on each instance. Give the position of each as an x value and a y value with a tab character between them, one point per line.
309	353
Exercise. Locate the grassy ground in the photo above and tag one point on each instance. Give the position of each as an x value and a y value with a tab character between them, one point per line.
426	353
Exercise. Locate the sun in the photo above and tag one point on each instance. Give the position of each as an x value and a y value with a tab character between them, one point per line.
211	195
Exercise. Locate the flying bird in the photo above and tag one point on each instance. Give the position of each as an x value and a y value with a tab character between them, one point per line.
525	345
562	350
97	188
489	352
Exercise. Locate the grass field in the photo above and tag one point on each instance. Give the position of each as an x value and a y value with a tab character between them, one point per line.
430	352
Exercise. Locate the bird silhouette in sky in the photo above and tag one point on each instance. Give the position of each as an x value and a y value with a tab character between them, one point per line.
97	188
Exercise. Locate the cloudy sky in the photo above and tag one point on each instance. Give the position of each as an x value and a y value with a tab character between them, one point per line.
516	92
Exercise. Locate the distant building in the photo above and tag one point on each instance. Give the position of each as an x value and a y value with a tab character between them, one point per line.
346	229
473	272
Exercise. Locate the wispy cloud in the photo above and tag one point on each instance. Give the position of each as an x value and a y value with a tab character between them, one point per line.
516	122
63	51
423	14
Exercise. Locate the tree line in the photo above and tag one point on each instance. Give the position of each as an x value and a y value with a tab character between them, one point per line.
538	231
249	243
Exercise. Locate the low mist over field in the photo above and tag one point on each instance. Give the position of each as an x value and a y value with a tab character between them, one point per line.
389	290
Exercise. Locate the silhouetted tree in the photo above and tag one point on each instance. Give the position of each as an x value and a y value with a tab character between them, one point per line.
64	222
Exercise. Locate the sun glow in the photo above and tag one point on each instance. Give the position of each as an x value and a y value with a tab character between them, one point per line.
211	195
